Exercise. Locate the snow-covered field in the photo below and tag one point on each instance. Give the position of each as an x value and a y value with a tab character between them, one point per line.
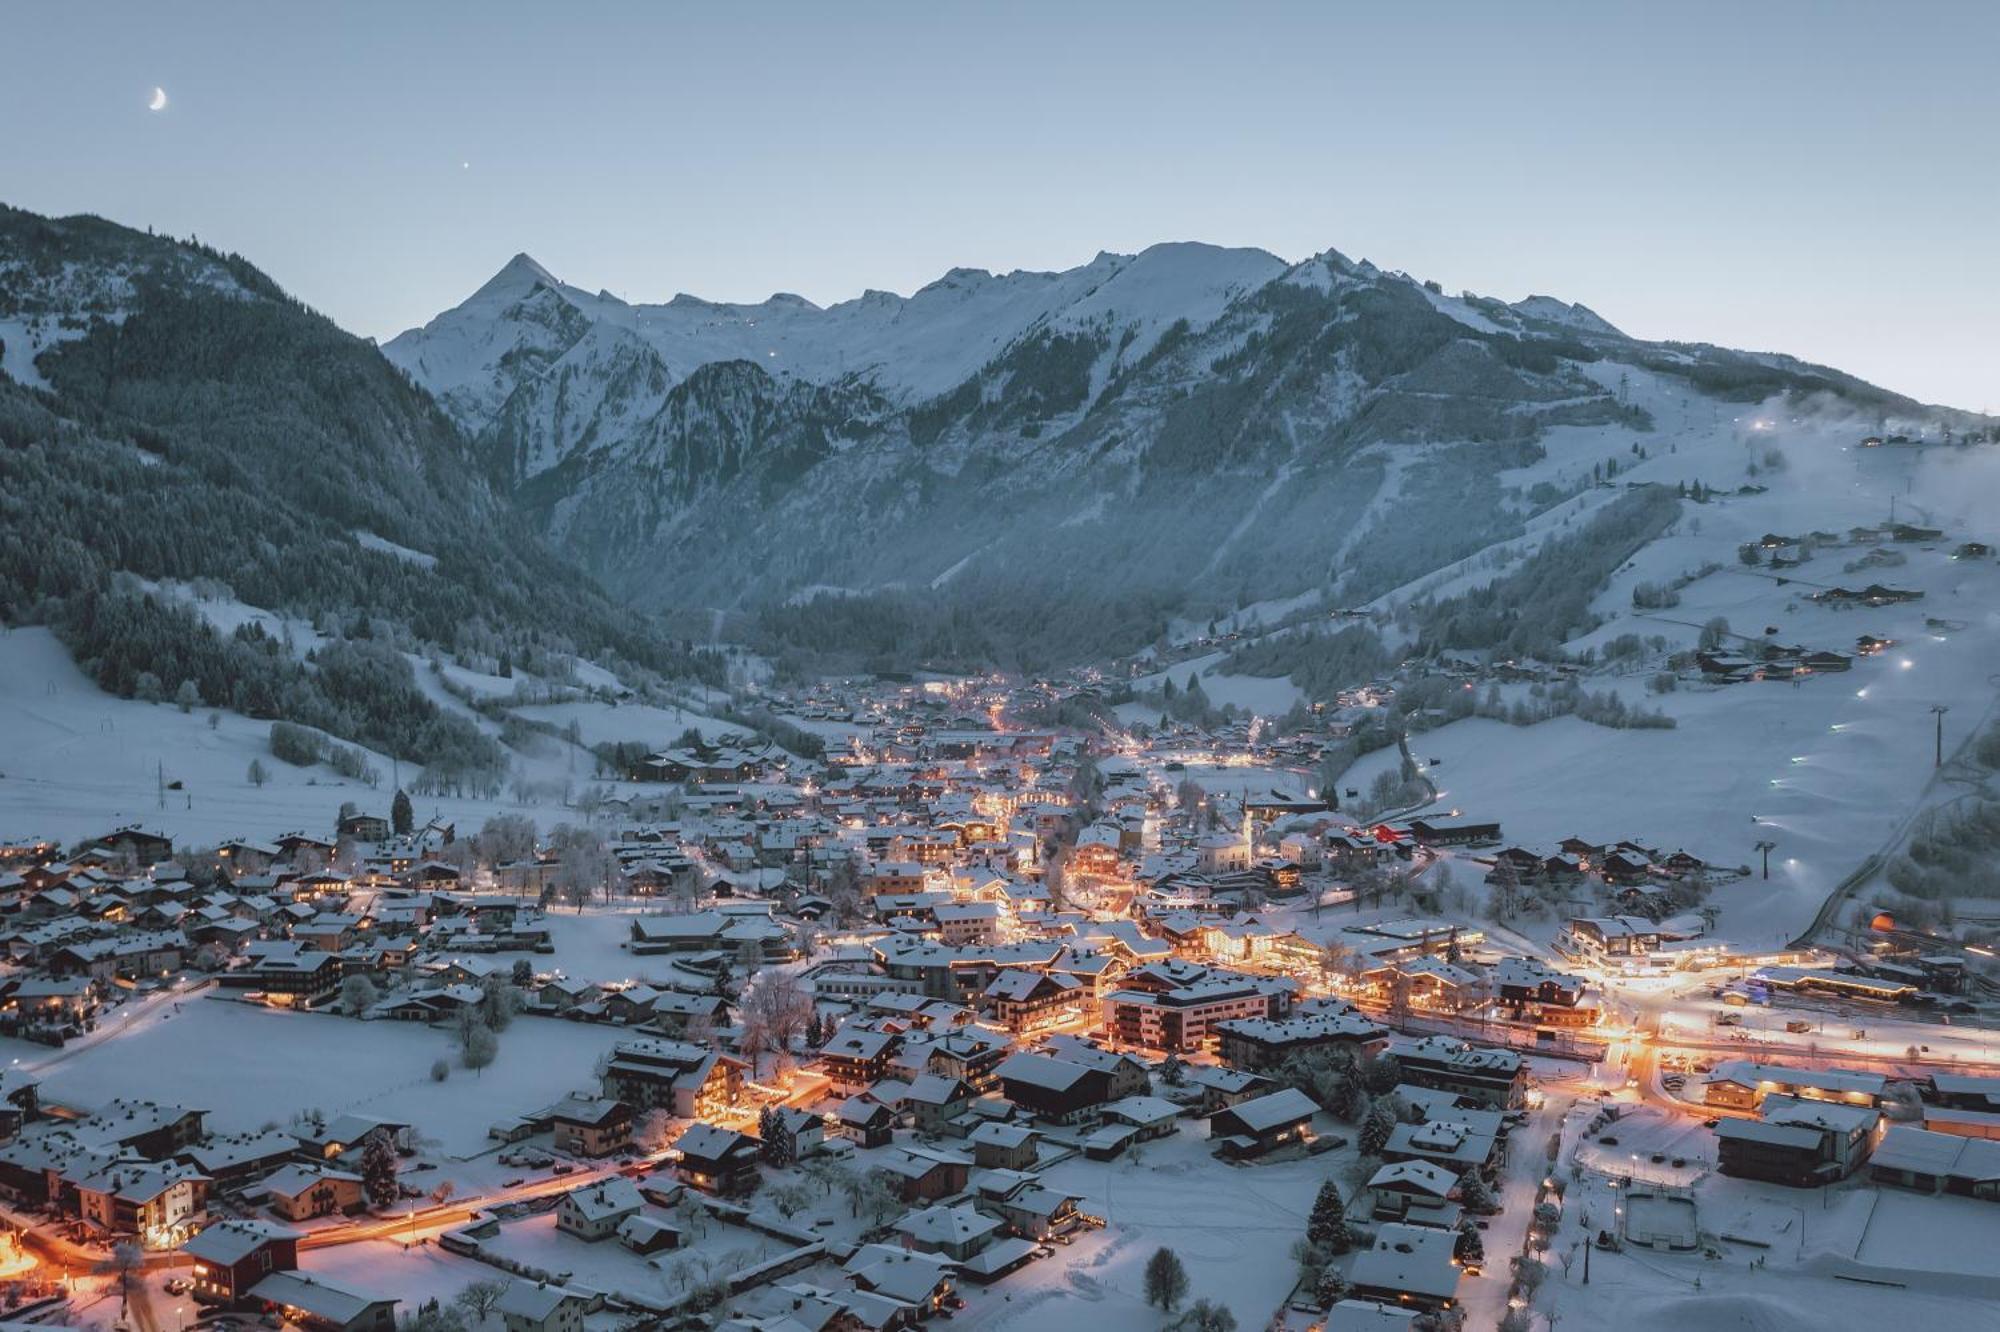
1829	769
76	762
1232	1226
249	1066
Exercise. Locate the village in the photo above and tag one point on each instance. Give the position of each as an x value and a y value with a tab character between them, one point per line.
963	1017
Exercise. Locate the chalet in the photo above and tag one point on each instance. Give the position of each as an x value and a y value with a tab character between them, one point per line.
1448	1144
1491	1077
683	1016
1222	1087
1596	939
1402	1183
596	1211
1524	865
685	1079
855	1058
972	1053
240	857
1739	1084
1187	1017
866	1121
317	1305
231	1160
717	1160
302	1192
289	975
1412	1266
1525	980
1916	1158
1356	851
799	1132
145	846
161	1202
230	1257
1797	1142
997	1146
1149	1116
1024	1001
1130	1075
56	1001
1254	1127
956	1232
908	1280
527	1306
363	828
1055	1089
935	1103
594	1127
967	922
1434	832
1257	1045
923	1174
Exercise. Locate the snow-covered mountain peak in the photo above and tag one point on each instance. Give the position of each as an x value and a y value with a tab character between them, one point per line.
1555	311
517	278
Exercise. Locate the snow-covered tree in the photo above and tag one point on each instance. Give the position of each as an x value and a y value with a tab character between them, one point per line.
378	1170
1327	1226
1166	1280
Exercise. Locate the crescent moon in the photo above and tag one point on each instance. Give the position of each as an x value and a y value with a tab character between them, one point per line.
159	100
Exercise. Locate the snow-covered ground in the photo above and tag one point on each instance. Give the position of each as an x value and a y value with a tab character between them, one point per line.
1232	1226
249	1066
76	762
1829	769
1265	696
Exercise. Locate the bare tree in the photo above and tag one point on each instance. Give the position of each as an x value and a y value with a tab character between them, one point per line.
127	1260
480	1298
775	1011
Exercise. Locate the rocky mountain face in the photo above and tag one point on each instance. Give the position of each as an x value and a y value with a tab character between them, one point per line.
1177	432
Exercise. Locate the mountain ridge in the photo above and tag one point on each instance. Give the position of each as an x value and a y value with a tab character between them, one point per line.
1192	426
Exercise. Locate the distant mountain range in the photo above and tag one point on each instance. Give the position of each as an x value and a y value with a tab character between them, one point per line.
1028	469
1067	458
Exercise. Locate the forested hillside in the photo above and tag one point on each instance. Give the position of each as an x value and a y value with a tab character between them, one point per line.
197	425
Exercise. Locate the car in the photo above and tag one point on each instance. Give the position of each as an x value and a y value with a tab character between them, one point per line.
1710	1123
1659	1158
1680	1162
1607	1141
514	1183
1044	1251
563	1168
179	1285
955	1301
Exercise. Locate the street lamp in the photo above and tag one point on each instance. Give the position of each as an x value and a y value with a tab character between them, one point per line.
1938	710
1767	848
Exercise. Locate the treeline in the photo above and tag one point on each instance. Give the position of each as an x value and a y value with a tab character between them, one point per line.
1532	610
1320	663
1029	626
360	691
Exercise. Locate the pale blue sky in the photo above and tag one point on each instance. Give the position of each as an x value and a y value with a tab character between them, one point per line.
1816	179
